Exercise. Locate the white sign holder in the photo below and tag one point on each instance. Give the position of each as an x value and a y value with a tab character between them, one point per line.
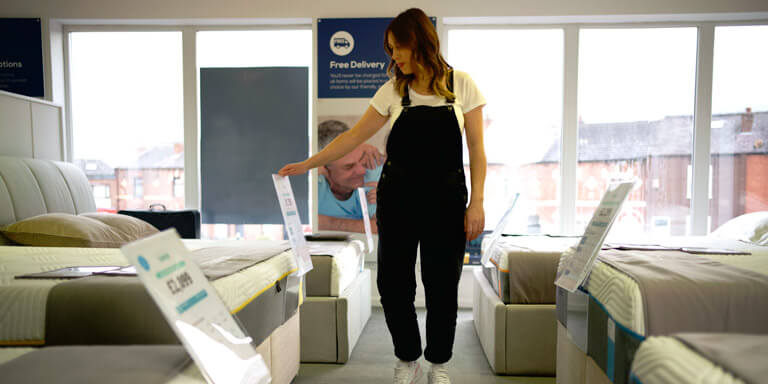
491	253
293	223
223	352
576	264
366	218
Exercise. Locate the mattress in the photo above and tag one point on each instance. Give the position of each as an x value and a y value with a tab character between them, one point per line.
525	272
23	301
336	264
666	360
620	295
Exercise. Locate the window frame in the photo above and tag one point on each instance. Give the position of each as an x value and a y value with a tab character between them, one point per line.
700	158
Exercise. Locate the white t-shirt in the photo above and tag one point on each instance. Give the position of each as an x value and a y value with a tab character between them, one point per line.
388	102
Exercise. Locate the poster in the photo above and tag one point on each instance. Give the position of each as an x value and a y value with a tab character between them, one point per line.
339	202
351	61
21	57
351	67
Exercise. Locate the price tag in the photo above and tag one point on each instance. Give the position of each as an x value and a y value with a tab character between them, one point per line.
292	223
223	352
366	218
490	253
577	263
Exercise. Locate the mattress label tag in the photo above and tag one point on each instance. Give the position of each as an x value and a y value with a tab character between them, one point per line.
292	223
366	218
223	352
576	264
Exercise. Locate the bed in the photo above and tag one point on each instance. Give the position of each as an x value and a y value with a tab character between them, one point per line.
703	357
338	302
150	364
514	305
117	310
632	294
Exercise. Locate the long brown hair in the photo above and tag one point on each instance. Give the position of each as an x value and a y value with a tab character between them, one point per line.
413	29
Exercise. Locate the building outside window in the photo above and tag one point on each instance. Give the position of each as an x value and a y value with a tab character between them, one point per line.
127	118
739	135
635	106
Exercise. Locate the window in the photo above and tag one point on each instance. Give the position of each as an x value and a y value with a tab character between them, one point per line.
178	186
635	106
246	49
739	144
138	187
520	73
127	122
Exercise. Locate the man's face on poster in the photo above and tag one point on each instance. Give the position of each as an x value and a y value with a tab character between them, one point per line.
347	172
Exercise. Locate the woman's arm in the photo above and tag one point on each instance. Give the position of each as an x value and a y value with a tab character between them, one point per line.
474	221
366	127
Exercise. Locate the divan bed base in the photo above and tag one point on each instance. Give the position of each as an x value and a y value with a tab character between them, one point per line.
331	326
518	339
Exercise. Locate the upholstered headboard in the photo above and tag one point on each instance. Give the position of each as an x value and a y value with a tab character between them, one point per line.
30	187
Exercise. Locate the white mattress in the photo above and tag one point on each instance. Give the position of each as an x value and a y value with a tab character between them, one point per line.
347	264
621	297
346	261
666	360
22	301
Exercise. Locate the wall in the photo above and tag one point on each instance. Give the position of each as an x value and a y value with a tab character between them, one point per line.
151	9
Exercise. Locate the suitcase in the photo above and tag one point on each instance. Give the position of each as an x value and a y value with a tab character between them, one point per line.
186	221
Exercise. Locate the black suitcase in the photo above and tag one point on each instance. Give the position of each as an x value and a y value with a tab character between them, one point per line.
186	221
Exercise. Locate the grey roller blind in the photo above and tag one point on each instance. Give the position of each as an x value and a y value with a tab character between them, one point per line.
253	121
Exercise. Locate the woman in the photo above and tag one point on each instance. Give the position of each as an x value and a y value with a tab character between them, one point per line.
422	195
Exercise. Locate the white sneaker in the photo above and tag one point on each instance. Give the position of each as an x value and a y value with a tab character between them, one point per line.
407	372
438	375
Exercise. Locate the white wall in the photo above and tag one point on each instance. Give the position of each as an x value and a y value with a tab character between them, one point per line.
164	9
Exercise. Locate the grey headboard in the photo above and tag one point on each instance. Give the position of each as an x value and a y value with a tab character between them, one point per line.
30	187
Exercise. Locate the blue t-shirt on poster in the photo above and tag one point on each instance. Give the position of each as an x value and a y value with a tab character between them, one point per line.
328	205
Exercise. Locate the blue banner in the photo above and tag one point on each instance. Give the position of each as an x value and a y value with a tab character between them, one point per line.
351	61
21	57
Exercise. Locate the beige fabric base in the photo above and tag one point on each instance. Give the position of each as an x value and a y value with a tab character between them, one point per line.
280	352
571	361
594	375
518	339
331	326
285	351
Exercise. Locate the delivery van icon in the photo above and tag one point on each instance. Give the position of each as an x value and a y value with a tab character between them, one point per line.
342	43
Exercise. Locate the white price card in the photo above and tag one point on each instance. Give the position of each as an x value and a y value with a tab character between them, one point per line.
577	263
292	223
491	253
366	218
223	352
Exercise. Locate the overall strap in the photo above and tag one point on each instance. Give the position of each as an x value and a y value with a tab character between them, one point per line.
406	101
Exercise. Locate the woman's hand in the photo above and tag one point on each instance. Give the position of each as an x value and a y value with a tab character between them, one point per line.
474	221
294	169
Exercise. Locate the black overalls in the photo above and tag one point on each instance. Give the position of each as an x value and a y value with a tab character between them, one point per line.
421	199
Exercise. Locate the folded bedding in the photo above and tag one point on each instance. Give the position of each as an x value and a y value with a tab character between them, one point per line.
723	358
240	278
